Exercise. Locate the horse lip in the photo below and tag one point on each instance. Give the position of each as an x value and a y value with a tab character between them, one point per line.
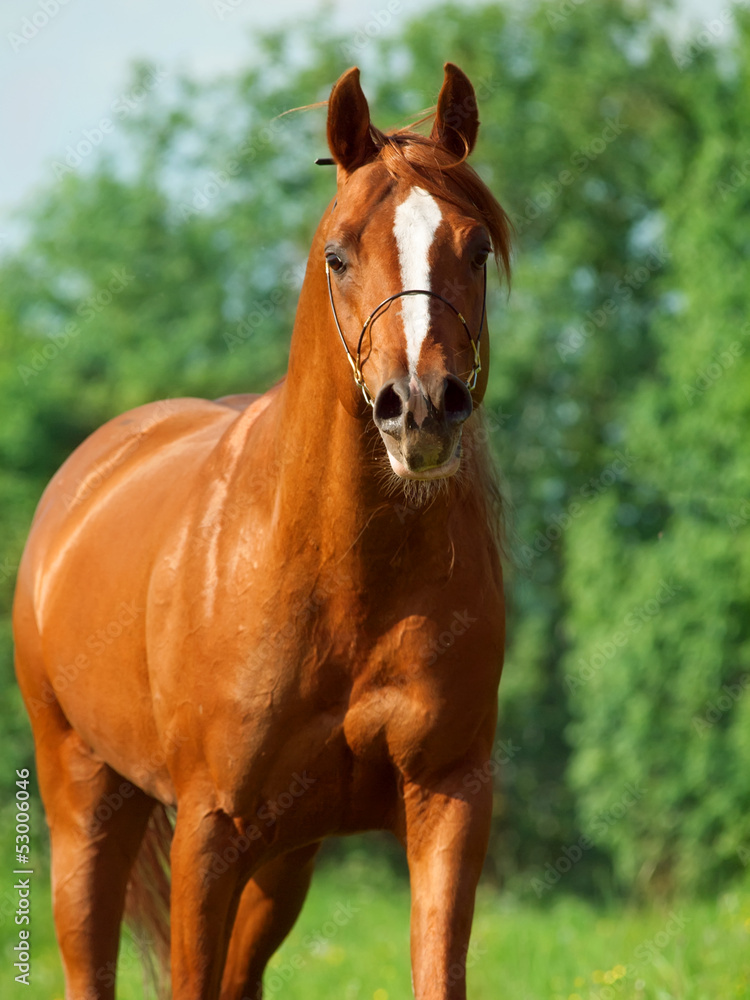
443	471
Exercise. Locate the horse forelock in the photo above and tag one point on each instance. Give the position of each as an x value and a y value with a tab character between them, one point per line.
423	162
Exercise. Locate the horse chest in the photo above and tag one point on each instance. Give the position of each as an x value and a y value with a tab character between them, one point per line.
307	674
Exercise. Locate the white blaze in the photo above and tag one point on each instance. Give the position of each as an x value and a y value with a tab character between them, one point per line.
414	227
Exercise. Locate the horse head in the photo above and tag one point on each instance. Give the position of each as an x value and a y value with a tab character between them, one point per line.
405	250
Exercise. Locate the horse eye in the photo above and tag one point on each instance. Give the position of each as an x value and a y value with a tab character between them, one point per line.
335	262
480	257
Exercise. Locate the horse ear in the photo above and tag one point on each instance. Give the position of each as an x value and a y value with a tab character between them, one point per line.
349	137
456	119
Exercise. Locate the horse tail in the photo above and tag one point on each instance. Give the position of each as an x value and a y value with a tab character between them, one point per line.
147	901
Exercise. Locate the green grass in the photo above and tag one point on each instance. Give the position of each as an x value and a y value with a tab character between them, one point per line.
351	942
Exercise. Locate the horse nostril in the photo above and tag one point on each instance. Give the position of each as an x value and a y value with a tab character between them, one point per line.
457	403
388	405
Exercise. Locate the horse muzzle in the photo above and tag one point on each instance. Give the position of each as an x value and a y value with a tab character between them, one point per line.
421	422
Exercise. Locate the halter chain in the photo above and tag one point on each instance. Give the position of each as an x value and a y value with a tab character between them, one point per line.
375	314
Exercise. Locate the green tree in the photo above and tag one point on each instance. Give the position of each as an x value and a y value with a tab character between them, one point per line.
659	666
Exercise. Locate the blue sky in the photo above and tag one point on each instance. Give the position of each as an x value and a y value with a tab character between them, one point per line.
65	62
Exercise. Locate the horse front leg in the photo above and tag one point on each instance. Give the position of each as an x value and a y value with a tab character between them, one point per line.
447	831
210	861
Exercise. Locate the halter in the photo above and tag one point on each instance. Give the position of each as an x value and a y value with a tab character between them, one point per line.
378	311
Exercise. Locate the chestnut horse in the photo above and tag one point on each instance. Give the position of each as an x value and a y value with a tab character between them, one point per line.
280	617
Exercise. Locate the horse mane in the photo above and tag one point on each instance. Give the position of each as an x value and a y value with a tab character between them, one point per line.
493	503
423	160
